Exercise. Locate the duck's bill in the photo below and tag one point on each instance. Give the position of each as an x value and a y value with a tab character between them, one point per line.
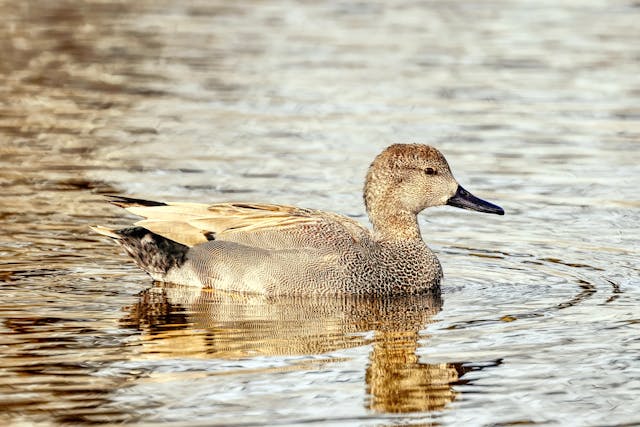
465	200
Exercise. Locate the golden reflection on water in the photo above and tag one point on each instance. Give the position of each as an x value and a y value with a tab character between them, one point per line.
398	382
182	321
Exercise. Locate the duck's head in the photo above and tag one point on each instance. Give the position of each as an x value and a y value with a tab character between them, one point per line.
407	178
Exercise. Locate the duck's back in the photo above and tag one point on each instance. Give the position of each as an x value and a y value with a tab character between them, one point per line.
273	249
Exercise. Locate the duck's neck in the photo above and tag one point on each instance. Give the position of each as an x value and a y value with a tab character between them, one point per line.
397	225
390	214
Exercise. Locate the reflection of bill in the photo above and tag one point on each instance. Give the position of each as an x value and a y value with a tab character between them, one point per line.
205	323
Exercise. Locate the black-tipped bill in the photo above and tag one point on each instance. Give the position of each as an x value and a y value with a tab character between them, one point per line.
465	200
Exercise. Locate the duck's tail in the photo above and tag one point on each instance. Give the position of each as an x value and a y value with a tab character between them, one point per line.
153	253
106	231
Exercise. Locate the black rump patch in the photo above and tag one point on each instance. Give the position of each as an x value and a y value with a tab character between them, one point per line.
152	252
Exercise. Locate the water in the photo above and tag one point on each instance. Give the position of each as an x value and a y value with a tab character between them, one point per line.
535	105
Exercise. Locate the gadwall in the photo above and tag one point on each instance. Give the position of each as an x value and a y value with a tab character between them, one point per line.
279	250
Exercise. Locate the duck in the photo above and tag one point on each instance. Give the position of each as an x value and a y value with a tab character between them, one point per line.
275	249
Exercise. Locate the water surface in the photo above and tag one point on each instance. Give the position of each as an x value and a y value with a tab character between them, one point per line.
534	104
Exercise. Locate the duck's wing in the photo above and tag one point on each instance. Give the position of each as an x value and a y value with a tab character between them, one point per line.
260	225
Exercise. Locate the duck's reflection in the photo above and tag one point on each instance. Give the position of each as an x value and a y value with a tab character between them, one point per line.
398	382
186	321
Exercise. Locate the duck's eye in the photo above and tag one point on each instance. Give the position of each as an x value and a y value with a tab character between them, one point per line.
430	171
